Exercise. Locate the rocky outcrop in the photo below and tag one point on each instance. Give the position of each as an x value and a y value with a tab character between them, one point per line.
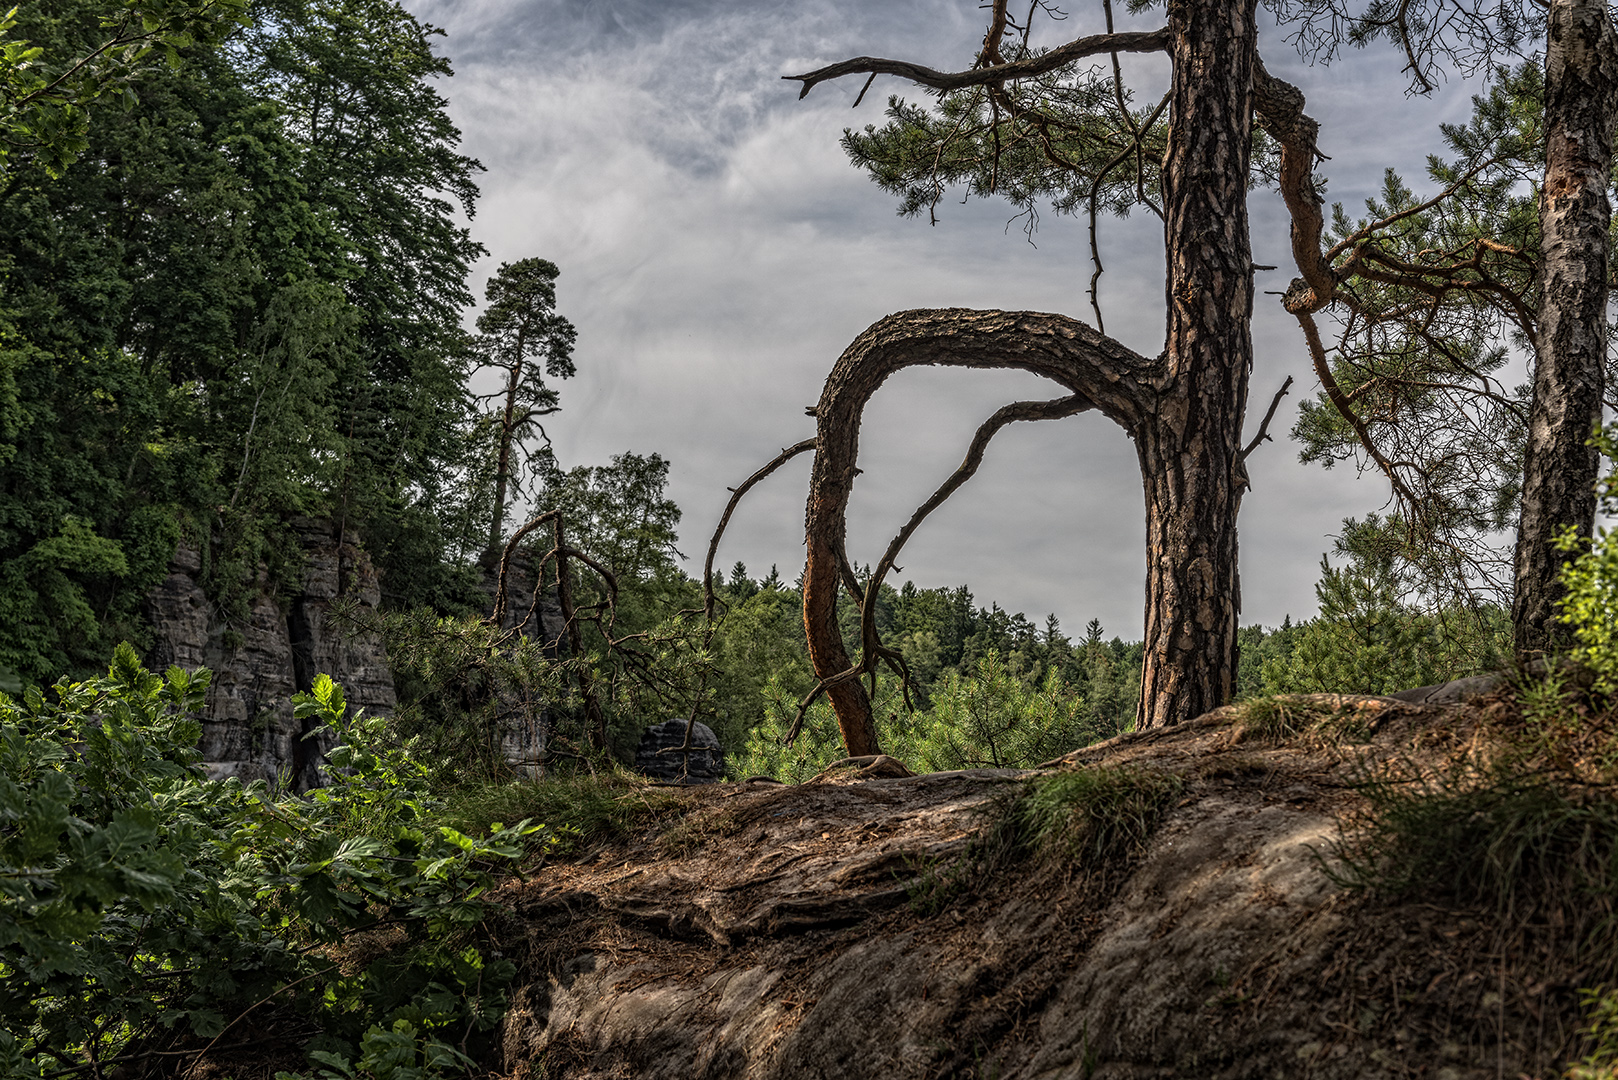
524	724
659	757
867	925
249	729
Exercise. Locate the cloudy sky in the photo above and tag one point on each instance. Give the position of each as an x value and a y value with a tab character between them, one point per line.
718	253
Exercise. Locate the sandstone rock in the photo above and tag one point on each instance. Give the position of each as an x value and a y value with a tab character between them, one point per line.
524	725
705	766
859	927
248	727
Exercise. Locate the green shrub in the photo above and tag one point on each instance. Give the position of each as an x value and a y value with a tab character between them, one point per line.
993	718
1590	605
1378	632
145	910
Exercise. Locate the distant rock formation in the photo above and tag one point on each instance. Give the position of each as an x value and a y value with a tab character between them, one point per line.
248	728
705	766
523	724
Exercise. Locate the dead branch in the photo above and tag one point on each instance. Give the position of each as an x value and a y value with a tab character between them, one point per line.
736	494
1133	42
1006	414
505	560
1264	427
1334	393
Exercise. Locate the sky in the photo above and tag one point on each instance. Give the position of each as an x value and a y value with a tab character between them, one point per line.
718	252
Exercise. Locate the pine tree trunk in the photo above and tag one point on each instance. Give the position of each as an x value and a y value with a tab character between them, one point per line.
1560	471
1184	409
1190	451
503	466
1111	378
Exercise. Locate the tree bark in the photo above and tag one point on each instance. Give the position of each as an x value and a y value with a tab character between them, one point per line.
1559	469
1190	456
1184	409
503	466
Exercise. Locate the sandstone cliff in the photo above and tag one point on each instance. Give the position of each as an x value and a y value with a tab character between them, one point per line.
249	729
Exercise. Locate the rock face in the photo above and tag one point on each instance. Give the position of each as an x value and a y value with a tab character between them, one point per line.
705	766
249	729
524	724
847	927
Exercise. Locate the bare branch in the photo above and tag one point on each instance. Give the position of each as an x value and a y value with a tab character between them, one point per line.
724	520
1317	353
1094	45
1264	427
1100	374
1006	414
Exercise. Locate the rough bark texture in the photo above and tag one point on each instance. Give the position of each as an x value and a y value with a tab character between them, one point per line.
1581	93
1114	379
1191	454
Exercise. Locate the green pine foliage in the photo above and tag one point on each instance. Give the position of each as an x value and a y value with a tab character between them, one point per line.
1378	631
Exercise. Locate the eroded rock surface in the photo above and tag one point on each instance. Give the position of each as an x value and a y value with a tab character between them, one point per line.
837	929
249	729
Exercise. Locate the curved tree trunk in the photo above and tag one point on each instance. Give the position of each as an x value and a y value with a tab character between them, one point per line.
1190	457
1560	471
1184	409
1113	378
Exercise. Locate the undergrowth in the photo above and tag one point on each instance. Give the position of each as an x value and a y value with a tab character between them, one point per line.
581	810
1521	822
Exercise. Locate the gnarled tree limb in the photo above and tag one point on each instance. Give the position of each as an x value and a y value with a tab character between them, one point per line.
1095	45
1101	374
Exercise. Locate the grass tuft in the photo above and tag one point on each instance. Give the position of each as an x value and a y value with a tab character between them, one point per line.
1094	818
580	810
1094	821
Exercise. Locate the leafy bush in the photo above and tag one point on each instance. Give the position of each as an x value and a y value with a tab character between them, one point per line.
145	910
1590	605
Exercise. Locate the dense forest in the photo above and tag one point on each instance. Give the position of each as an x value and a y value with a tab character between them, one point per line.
236	290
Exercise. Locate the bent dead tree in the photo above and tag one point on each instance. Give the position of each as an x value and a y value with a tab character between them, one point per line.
1183	409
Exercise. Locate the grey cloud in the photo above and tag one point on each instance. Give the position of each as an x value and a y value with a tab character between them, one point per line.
718	253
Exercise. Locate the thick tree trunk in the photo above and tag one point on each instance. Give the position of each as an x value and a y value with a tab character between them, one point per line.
1184	409
1114	379
1560	471
1191	455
